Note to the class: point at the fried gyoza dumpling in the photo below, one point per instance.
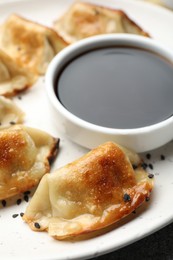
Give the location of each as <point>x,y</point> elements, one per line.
<point>10,113</point>
<point>13,78</point>
<point>30,44</point>
<point>90,193</point>
<point>83,20</point>
<point>25,157</point>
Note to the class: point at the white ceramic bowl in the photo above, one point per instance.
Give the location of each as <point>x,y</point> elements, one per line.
<point>90,135</point>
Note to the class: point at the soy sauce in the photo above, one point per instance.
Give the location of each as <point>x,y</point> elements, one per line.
<point>117,87</point>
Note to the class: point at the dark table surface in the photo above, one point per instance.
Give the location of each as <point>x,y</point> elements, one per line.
<point>156,246</point>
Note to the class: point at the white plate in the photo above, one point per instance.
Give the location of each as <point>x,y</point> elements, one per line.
<point>16,239</point>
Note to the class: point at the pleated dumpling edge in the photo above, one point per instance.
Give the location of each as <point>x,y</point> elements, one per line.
<point>90,193</point>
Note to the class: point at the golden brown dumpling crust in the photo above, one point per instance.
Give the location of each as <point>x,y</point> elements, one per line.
<point>89,194</point>
<point>25,154</point>
<point>30,44</point>
<point>83,20</point>
<point>13,78</point>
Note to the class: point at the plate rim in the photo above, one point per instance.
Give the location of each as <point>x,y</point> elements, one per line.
<point>169,219</point>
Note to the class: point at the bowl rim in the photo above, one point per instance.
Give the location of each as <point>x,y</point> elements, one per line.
<point>51,74</point>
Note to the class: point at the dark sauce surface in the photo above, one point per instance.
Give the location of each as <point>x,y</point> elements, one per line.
<point>117,87</point>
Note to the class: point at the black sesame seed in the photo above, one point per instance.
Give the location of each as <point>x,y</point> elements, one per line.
<point>162,157</point>
<point>37,225</point>
<point>126,197</point>
<point>15,215</point>
<point>150,166</point>
<point>4,203</point>
<point>144,165</point>
<point>26,198</point>
<point>21,214</point>
<point>18,202</point>
<point>147,199</point>
<point>150,175</point>
<point>148,156</point>
<point>27,192</point>
<point>134,166</point>
<point>19,97</point>
<point>12,123</point>
<point>134,212</point>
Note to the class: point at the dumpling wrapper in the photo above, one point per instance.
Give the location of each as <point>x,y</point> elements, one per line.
<point>10,113</point>
<point>30,44</point>
<point>13,78</point>
<point>89,193</point>
<point>82,20</point>
<point>26,154</point>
